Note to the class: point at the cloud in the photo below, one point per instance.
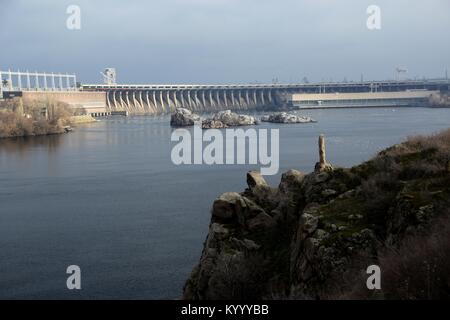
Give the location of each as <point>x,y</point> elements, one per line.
<point>225,41</point>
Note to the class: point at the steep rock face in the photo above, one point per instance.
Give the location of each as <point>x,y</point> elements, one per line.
<point>314,236</point>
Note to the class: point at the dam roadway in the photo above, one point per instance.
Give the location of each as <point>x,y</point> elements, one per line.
<point>153,99</point>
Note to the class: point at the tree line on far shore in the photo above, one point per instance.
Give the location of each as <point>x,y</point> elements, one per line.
<point>20,119</point>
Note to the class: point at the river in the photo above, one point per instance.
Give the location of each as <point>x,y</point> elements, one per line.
<point>107,198</point>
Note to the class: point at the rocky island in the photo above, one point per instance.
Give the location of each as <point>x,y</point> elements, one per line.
<point>223,119</point>
<point>233,119</point>
<point>314,236</point>
<point>284,117</point>
<point>183,117</point>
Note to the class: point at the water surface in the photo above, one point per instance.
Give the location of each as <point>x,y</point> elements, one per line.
<point>107,197</point>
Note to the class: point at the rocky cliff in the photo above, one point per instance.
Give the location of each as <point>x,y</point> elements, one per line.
<point>314,235</point>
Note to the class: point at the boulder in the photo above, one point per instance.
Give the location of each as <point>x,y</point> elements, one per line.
<point>284,117</point>
<point>213,124</point>
<point>291,181</point>
<point>183,118</point>
<point>254,179</point>
<point>224,207</point>
<point>259,191</point>
<point>232,207</point>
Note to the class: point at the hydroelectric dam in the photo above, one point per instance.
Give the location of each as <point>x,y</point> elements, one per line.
<point>105,99</point>
<point>204,98</point>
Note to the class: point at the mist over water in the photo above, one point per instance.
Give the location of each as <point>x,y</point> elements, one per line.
<point>107,197</point>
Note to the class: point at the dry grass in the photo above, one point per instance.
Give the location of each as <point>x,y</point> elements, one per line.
<point>418,269</point>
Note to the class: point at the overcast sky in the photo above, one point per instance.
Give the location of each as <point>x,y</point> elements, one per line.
<point>226,41</point>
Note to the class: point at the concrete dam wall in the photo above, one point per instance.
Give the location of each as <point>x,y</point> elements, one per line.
<point>156,99</point>
<point>150,101</point>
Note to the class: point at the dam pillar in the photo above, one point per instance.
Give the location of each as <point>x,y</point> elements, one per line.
<point>233,102</point>
<point>121,100</point>
<point>225,98</point>
<point>210,99</point>
<point>114,100</point>
<point>155,105</point>
<point>175,93</point>
<point>161,100</point>
<point>182,98</point>
<point>196,100</point>
<point>218,98</point>
<point>108,103</point>
<point>141,101</point>
<point>239,99</point>
<point>203,100</point>
<point>167,96</point>
<point>189,100</point>
<point>135,104</point>
<point>147,102</point>
<point>127,95</point>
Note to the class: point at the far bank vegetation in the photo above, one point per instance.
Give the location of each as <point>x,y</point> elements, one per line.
<point>20,119</point>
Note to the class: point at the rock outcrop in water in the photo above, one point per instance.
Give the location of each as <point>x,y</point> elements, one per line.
<point>284,117</point>
<point>441,99</point>
<point>213,124</point>
<point>314,236</point>
<point>183,118</point>
<point>224,119</point>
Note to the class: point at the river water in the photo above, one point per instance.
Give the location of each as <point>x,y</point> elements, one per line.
<point>107,198</point>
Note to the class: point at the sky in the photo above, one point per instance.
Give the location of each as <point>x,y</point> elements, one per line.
<point>227,41</point>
